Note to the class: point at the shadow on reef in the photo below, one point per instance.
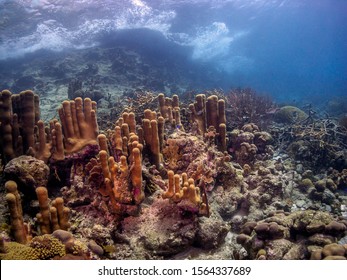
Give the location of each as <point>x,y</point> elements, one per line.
<point>201,176</point>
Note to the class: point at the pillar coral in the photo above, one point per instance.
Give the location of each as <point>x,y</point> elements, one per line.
<point>19,115</point>
<point>131,122</point>
<point>58,152</point>
<point>78,123</point>
<point>209,115</point>
<point>198,113</point>
<point>24,132</point>
<point>212,111</point>
<point>183,191</point>
<point>152,138</point>
<point>16,213</point>
<point>123,183</point>
<point>44,215</point>
<point>6,142</point>
<point>136,177</point>
<point>27,118</point>
<point>161,131</point>
<point>163,106</point>
<point>63,214</point>
<point>169,109</point>
<point>117,141</point>
<point>125,129</point>
<point>102,141</point>
<point>43,146</point>
<point>155,145</point>
<point>54,216</point>
<point>122,172</point>
<point>222,136</point>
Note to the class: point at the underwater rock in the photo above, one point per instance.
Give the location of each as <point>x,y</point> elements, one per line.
<point>28,172</point>
<point>277,249</point>
<point>296,252</point>
<point>162,229</point>
<point>212,232</point>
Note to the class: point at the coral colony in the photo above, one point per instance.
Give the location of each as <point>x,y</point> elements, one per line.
<point>210,176</point>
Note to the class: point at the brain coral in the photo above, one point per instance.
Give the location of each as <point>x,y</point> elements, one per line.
<point>290,114</point>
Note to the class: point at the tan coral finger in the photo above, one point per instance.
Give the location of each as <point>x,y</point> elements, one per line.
<point>68,119</point>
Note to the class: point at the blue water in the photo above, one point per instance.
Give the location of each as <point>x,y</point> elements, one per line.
<point>292,49</point>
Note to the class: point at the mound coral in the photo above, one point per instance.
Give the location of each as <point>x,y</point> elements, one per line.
<point>276,236</point>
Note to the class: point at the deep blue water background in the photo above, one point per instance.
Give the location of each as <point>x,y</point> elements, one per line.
<point>293,50</point>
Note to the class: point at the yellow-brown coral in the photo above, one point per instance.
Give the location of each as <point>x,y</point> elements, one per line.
<point>17,251</point>
<point>47,246</point>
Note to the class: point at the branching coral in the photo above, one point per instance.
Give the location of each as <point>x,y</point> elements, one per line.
<point>246,106</point>
<point>319,143</point>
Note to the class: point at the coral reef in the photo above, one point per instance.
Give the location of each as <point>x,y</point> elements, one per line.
<point>60,245</point>
<point>168,178</point>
